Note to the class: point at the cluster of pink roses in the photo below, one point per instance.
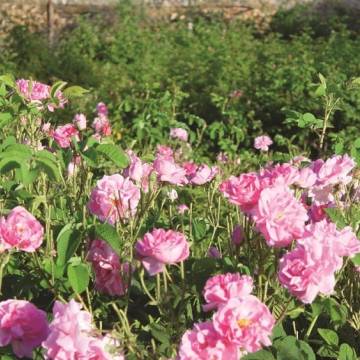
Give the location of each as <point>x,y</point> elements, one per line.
<point>70,335</point>
<point>37,92</point>
<point>63,134</point>
<point>20,230</point>
<point>267,197</point>
<point>241,324</point>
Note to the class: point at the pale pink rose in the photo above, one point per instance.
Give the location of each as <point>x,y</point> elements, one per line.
<point>164,151</point>
<point>285,174</point>
<point>214,253</point>
<point>203,174</point>
<point>243,191</point>
<point>101,125</point>
<point>237,235</point>
<point>37,92</point>
<point>219,289</point>
<point>178,133</point>
<point>71,335</point>
<point>73,166</point>
<point>108,270</point>
<point>102,109</point>
<point>161,247</point>
<point>182,208</point>
<point>168,171</point>
<point>334,170</point>
<point>23,326</point>
<point>310,268</point>
<point>21,230</point>
<point>307,178</point>
<point>114,198</point>
<point>80,121</point>
<point>138,171</point>
<point>322,195</point>
<point>262,143</point>
<point>279,216</point>
<point>172,195</point>
<point>245,322</point>
<point>63,135</point>
<point>204,343</point>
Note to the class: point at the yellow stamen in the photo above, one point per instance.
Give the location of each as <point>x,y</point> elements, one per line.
<point>243,323</point>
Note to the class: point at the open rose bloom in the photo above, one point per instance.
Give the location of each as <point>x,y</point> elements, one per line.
<point>22,325</point>
<point>262,143</point>
<point>114,198</point>
<point>161,247</point>
<point>20,230</point>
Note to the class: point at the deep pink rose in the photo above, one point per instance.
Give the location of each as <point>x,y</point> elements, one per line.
<point>22,325</point>
<point>203,174</point>
<point>161,247</point>
<point>108,270</point>
<point>243,191</point>
<point>102,109</point>
<point>21,230</point>
<point>101,125</point>
<point>114,198</point>
<point>63,134</point>
<point>237,235</point>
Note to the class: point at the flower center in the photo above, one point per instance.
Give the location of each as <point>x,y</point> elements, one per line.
<point>243,323</point>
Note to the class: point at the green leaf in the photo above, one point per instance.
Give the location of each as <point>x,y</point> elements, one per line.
<point>79,277</point>
<point>291,348</point>
<point>330,336</point>
<point>110,235</point>
<point>5,118</point>
<point>259,355</point>
<point>48,166</point>
<point>8,79</point>
<point>115,154</point>
<point>58,86</point>
<point>336,216</point>
<point>67,243</point>
<point>328,351</point>
<point>160,333</point>
<point>74,92</point>
<point>347,353</point>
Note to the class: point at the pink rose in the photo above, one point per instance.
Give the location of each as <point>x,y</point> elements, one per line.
<point>182,209</point>
<point>63,134</point>
<point>285,174</point>
<point>138,171</point>
<point>101,125</point>
<point>245,322</point>
<point>279,216</point>
<point>102,109</point>
<point>80,121</point>
<point>307,178</point>
<point>114,198</point>
<point>262,143</point>
<point>204,343</point>
<point>190,168</point>
<point>219,289</point>
<point>164,152</point>
<point>168,171</point>
<point>22,325</point>
<point>108,270</point>
<point>203,174</point>
<point>21,230</point>
<point>178,133</point>
<point>71,335</point>
<point>161,247</point>
<point>243,191</point>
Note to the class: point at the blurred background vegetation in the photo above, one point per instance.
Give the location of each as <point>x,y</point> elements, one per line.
<point>226,79</point>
